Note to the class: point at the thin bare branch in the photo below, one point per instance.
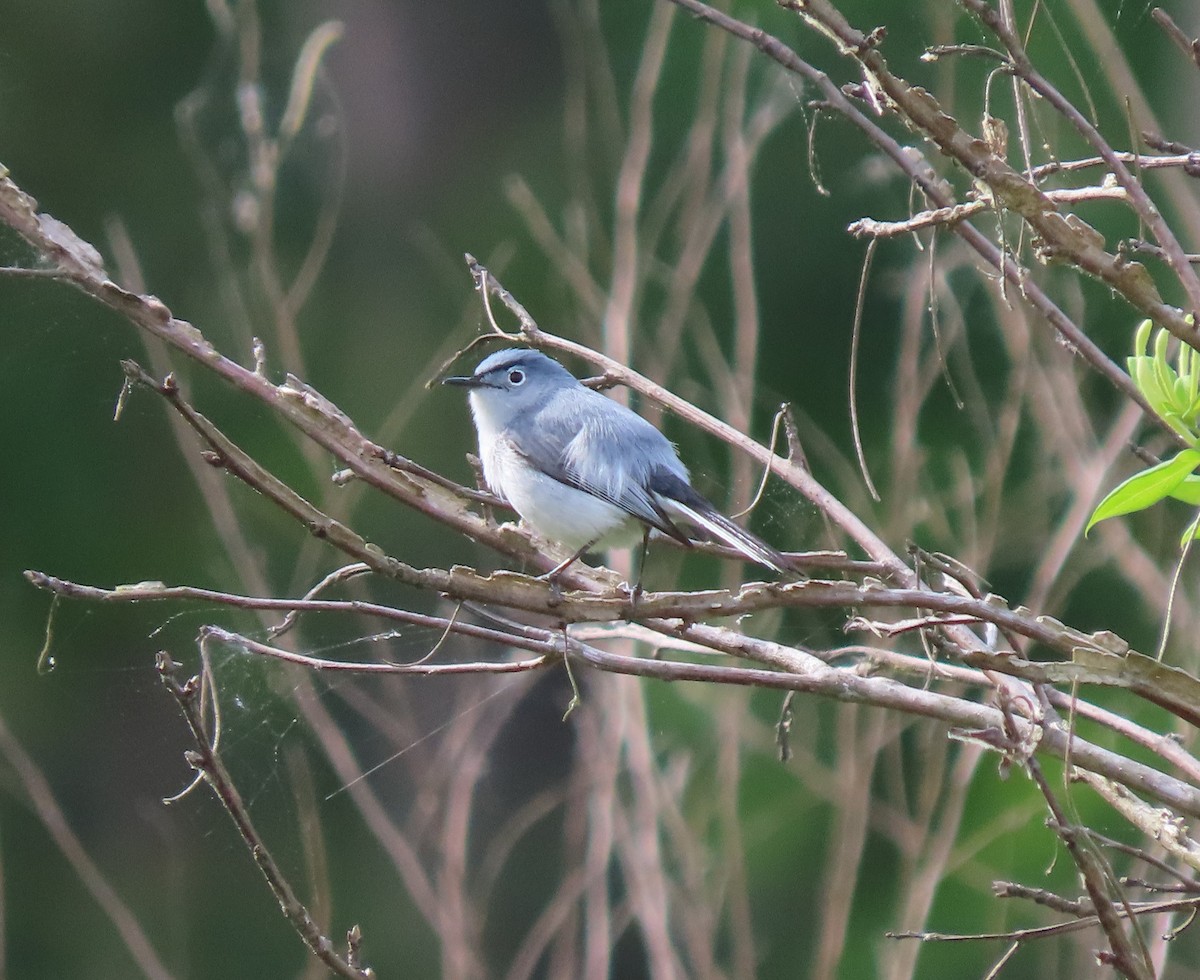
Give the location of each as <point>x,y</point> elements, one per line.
<point>206,761</point>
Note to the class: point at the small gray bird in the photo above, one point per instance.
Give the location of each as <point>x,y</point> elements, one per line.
<point>583,469</point>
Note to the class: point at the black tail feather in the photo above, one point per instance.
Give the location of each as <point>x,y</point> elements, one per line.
<point>678,498</point>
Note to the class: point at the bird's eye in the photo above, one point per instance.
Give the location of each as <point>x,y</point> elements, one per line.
<point>516,376</point>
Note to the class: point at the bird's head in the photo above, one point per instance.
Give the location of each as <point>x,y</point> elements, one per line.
<point>510,382</point>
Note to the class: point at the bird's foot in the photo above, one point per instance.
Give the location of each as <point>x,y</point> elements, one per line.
<point>635,593</point>
<point>551,578</point>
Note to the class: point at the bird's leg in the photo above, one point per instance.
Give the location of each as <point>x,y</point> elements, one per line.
<point>637,587</point>
<point>552,575</point>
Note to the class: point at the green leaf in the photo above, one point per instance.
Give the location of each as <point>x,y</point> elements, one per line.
<point>1187,368</point>
<point>1180,425</point>
<point>1162,341</point>
<point>1141,339</point>
<point>1188,491</point>
<point>1182,395</point>
<point>1147,488</point>
<point>1146,378</point>
<point>1193,531</point>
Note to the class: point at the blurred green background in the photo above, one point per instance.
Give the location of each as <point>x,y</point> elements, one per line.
<point>440,105</point>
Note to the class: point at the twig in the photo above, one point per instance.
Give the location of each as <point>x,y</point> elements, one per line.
<point>1051,900</point>
<point>337,576</point>
<point>1188,45</point>
<point>762,483</point>
<point>1141,247</point>
<point>369,667</point>
<point>1130,956</point>
<point>1187,160</point>
<point>1046,932</point>
<point>1160,826</point>
<point>949,216</point>
<point>205,760</point>
<point>855,340</point>
<point>1178,887</point>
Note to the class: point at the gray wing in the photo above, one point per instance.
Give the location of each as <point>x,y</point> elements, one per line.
<point>596,445</point>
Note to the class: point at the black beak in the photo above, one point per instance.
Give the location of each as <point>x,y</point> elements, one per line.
<point>471,382</point>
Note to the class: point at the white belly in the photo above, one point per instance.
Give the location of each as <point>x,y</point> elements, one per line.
<point>561,513</point>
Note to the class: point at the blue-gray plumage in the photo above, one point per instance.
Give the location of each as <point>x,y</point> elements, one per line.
<point>583,469</point>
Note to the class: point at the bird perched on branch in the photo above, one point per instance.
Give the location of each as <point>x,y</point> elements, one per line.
<point>583,469</point>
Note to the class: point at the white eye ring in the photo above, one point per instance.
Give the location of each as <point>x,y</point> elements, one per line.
<point>516,376</point>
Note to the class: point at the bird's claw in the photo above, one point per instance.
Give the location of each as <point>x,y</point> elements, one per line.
<point>551,578</point>
<point>635,594</point>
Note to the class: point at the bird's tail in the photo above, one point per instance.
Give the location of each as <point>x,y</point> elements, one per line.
<point>682,501</point>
